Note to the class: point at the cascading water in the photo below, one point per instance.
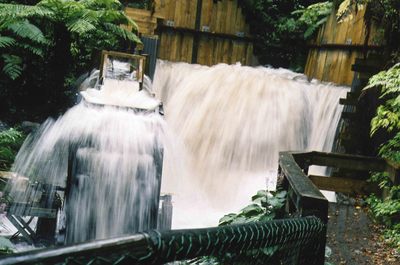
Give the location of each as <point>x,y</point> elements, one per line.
<point>230,123</point>
<point>113,187</point>
<point>233,121</point>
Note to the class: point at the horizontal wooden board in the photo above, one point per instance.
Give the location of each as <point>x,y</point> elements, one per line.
<point>344,185</point>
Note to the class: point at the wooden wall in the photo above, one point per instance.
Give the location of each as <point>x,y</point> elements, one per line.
<point>220,35</point>
<point>145,20</point>
<point>337,45</point>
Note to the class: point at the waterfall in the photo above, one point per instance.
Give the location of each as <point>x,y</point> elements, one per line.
<point>233,120</point>
<point>113,153</point>
<point>226,126</point>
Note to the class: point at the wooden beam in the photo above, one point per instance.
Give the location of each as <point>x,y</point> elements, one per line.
<point>305,196</point>
<point>355,162</point>
<point>339,46</point>
<point>348,101</point>
<point>205,33</point>
<point>345,185</point>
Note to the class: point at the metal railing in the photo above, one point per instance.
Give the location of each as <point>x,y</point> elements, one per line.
<point>299,239</point>
<point>253,243</point>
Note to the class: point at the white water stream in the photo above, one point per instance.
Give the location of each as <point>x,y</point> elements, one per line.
<point>228,124</point>
<point>113,185</point>
<point>233,121</point>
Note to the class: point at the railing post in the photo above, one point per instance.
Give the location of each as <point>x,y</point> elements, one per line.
<point>304,199</point>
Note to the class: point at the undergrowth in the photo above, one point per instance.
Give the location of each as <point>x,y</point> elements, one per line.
<point>387,210</point>
<point>10,142</point>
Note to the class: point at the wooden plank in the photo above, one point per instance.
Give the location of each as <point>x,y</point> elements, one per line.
<point>327,66</point>
<point>192,13</point>
<point>344,185</point>
<point>321,64</point>
<point>205,13</point>
<point>171,7</point>
<point>224,17</point>
<point>306,196</point>
<point>345,161</point>
<point>249,55</point>
<point>213,24</point>
<point>348,101</point>
<point>229,17</point>
<point>178,14</point>
<point>160,8</point>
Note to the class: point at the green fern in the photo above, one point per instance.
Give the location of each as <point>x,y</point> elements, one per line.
<point>124,33</point>
<point>6,41</point>
<point>12,11</point>
<point>313,16</point>
<point>10,141</point>
<point>12,66</point>
<point>79,19</point>
<point>25,29</point>
<point>80,26</point>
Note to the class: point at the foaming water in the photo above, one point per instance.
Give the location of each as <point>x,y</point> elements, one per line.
<point>228,122</point>
<point>115,155</point>
<point>233,121</point>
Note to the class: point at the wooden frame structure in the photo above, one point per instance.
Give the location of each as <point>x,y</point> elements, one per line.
<point>304,196</point>
<point>139,59</point>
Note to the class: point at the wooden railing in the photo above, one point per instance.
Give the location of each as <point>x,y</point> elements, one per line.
<point>304,196</point>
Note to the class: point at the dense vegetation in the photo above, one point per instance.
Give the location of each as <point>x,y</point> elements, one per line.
<point>281,29</point>
<point>46,45</point>
<point>10,142</point>
<point>387,210</point>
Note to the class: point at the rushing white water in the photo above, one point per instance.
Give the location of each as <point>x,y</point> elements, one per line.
<point>233,121</point>
<point>114,186</point>
<point>229,122</point>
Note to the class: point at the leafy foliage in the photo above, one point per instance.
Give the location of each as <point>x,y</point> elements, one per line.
<point>266,205</point>
<point>387,210</point>
<point>313,17</point>
<point>278,28</point>
<point>45,45</point>
<point>10,142</point>
<point>388,114</point>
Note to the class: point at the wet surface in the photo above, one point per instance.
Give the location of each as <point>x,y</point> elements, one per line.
<point>354,239</point>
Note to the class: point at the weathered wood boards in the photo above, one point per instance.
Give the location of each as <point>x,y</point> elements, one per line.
<point>146,21</point>
<point>337,45</point>
<point>198,31</point>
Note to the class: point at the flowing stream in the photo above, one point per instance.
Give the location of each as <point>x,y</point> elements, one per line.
<point>233,121</point>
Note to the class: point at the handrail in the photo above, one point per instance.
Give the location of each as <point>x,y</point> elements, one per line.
<point>229,243</point>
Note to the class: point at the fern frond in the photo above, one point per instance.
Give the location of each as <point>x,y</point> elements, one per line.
<point>12,66</point>
<point>6,41</point>
<point>11,11</point>
<point>132,23</point>
<point>39,51</point>
<point>25,29</point>
<point>124,33</point>
<point>80,26</point>
<point>97,4</point>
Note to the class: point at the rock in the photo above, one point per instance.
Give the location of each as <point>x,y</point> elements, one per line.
<point>28,126</point>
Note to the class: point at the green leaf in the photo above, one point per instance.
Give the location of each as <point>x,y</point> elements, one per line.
<point>260,194</point>
<point>80,26</point>
<point>127,35</point>
<point>227,219</point>
<point>25,29</point>
<point>6,41</point>
<point>12,66</point>
<point>251,210</point>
